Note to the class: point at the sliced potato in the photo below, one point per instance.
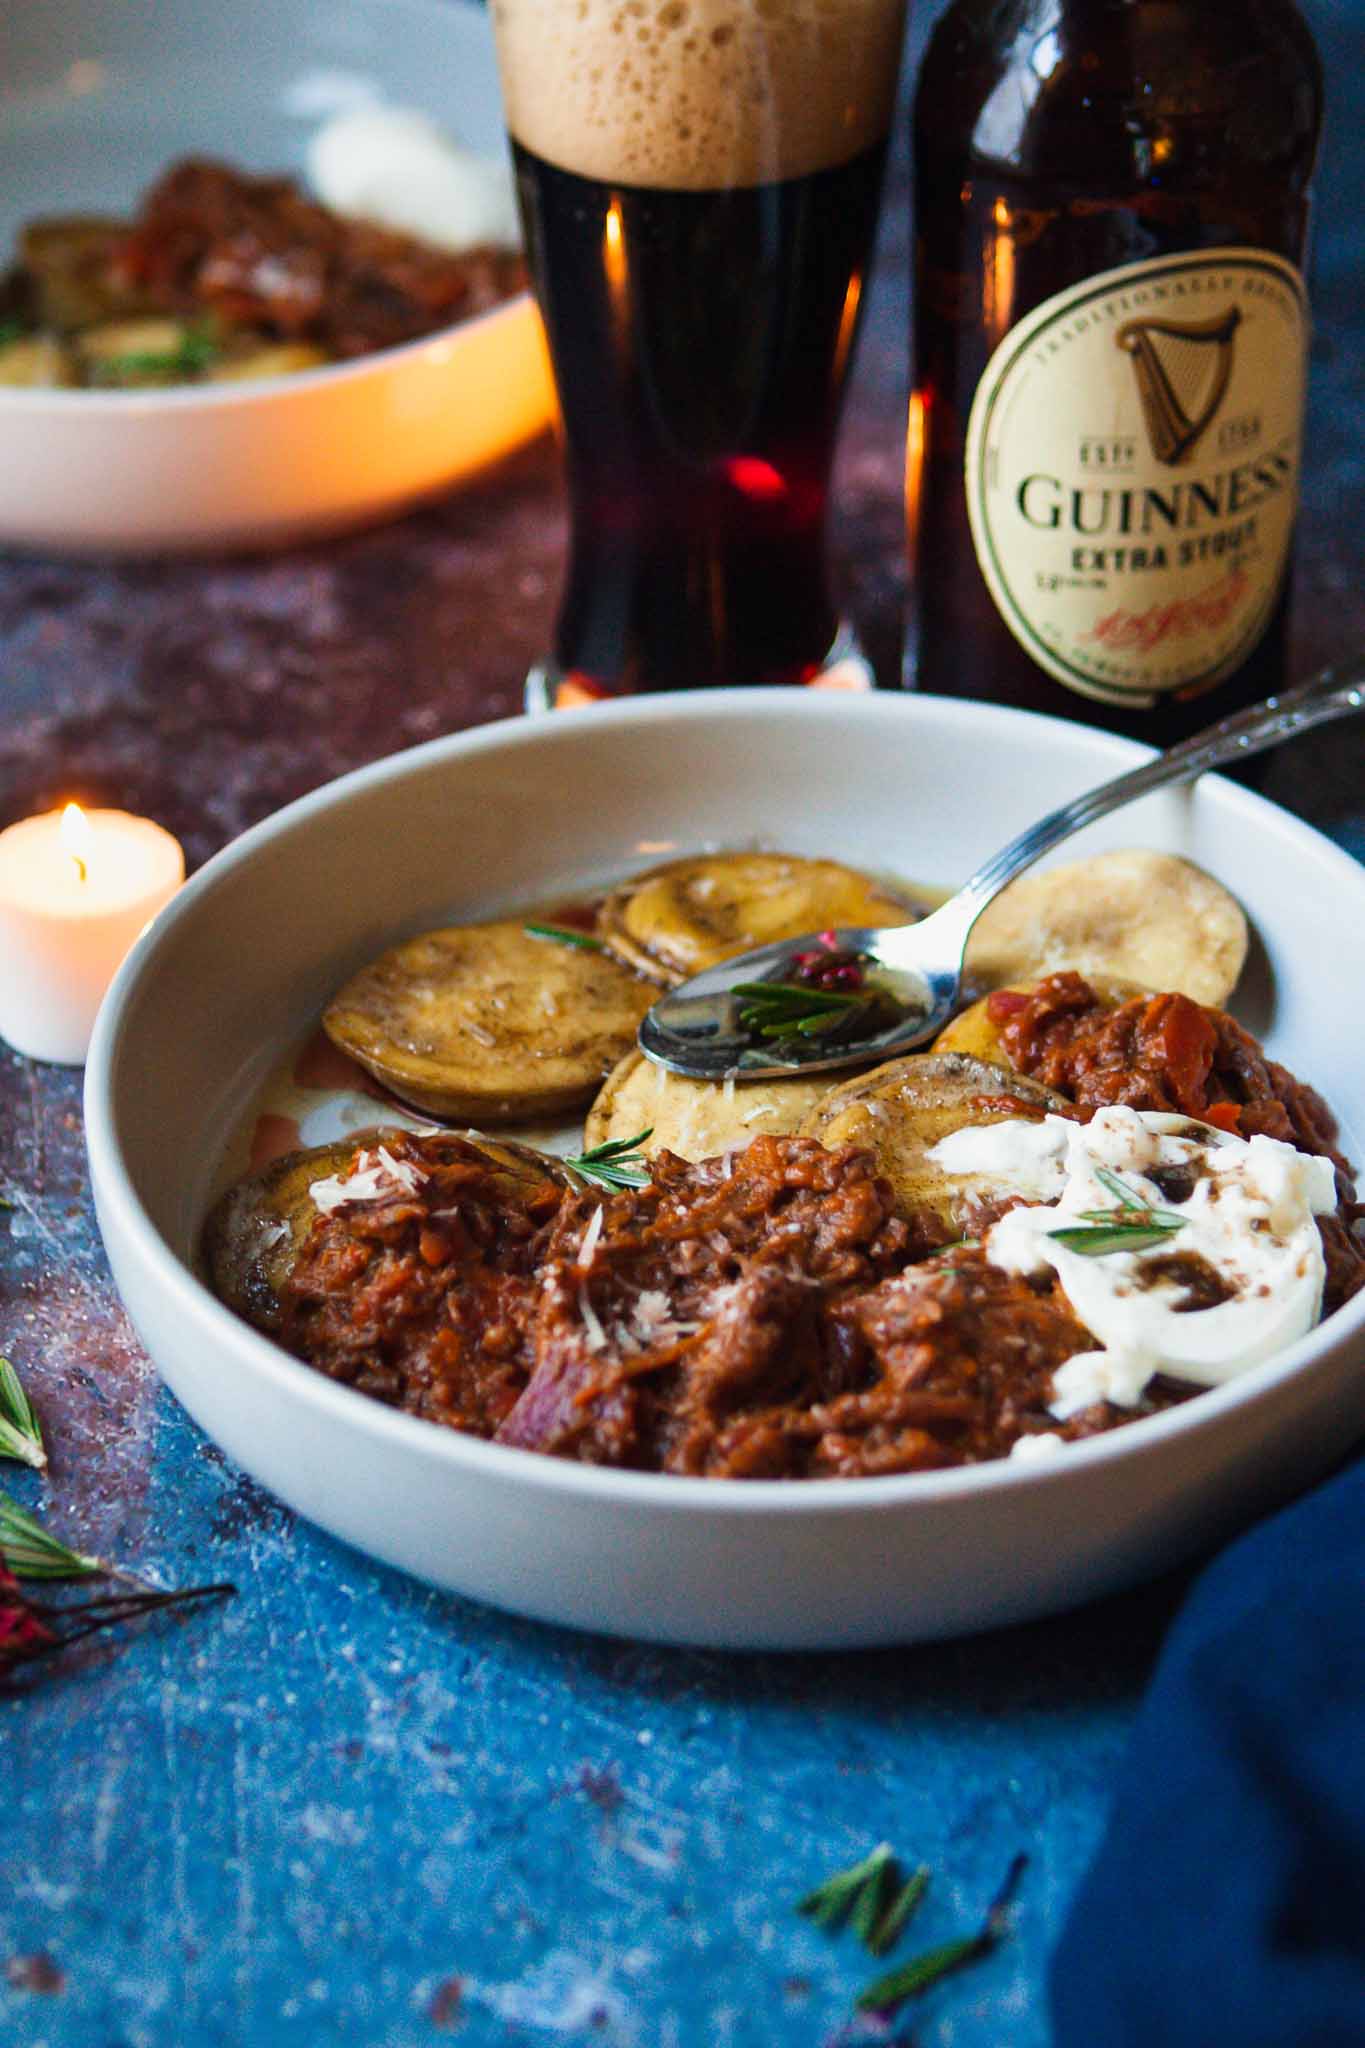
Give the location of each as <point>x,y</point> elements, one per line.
<point>675,920</point>
<point>277,359</point>
<point>899,1112</point>
<point>254,1233</point>
<point>36,362</point>
<point>973,1031</point>
<point>1143,917</point>
<point>484,1022</point>
<point>695,1119</point>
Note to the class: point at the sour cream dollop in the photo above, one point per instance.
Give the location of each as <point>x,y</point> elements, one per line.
<point>394,166</point>
<point>1248,1216</point>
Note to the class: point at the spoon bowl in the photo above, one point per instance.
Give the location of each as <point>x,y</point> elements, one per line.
<point>717,1025</point>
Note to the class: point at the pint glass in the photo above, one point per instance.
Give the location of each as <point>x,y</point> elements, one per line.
<point>699,182</point>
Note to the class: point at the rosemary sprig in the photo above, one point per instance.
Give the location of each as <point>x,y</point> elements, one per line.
<point>10,330</point>
<point>31,1551</point>
<point>1134,1226</point>
<point>616,1164</point>
<point>934,1964</point>
<point>777,1009</point>
<point>564,935</point>
<point>21,1436</point>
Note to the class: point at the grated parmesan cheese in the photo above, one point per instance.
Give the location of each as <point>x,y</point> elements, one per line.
<point>377,1176</point>
<point>588,1244</point>
<point>596,1339</point>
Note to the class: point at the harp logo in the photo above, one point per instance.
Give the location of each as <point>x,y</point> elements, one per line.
<point>1183,369</point>
<point>1132,471</point>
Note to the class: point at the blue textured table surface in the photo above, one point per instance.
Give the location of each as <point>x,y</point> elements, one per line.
<point>344,1808</point>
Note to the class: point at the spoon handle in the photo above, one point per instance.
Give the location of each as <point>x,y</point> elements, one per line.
<point>1334,692</point>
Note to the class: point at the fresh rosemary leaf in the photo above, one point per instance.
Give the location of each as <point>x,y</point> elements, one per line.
<point>31,1552</point>
<point>616,1164</point>
<point>918,1974</point>
<point>831,1903</point>
<point>898,1914</point>
<point>925,1970</point>
<point>10,330</point>
<point>872,1902</point>
<point>1095,1240</point>
<point>20,1434</point>
<point>564,935</point>
<point>1125,1196</point>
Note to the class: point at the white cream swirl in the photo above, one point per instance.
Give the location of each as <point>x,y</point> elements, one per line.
<point>1246,1215</point>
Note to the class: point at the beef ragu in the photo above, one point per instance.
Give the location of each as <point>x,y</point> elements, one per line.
<point>223,275</point>
<point>751,1317</point>
<point>764,1314</point>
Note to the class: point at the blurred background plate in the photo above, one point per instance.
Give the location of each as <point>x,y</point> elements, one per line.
<point>96,98</point>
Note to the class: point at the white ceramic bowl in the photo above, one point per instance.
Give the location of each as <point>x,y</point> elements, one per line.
<point>249,951</point>
<point>96,98</point>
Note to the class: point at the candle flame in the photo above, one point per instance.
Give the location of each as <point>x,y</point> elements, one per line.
<point>77,838</point>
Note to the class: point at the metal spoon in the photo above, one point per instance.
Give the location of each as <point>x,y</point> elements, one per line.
<point>696,1029</point>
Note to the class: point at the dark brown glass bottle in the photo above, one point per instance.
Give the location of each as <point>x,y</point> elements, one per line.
<point>1112,202</point>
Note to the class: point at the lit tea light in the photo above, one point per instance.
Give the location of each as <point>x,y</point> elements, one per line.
<point>76,889</point>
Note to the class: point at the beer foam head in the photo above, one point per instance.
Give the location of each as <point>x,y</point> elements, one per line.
<point>698,95</point>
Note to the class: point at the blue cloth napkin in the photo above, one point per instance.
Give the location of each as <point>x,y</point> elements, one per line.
<point>1226,1907</point>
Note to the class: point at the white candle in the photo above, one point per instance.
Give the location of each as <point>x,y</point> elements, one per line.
<point>76,888</point>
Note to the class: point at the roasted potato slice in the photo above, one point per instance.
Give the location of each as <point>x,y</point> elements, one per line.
<point>675,920</point>
<point>36,362</point>
<point>1134,915</point>
<point>255,1230</point>
<point>695,1119</point>
<point>900,1111</point>
<point>484,1022</point>
<point>973,1032</point>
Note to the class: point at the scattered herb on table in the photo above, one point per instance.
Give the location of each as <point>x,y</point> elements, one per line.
<point>32,1628</point>
<point>21,1435</point>
<point>871,1897</point>
<point>565,935</point>
<point>877,1904</point>
<point>1134,1226</point>
<point>33,1552</point>
<point>618,1163</point>
<point>910,1979</point>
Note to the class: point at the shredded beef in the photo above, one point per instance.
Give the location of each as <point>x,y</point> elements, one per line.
<point>764,1315</point>
<point>261,254</point>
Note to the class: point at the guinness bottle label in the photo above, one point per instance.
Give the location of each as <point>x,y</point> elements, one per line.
<point>1133,470</point>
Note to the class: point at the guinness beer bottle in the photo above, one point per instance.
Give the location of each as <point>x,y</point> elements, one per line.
<point>1110,353</point>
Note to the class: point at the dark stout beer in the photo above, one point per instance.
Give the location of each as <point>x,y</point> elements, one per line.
<point>1112,204</point>
<point>700,343</point>
<point>698,181</point>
